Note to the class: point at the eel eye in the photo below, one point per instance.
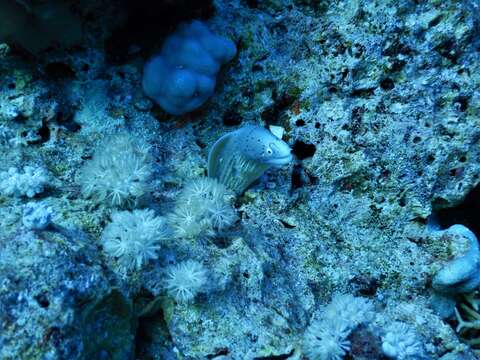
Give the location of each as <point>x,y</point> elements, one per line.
<point>269,151</point>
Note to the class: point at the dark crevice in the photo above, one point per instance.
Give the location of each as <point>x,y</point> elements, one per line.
<point>448,49</point>
<point>42,300</point>
<point>466,213</point>
<point>220,352</point>
<point>462,103</point>
<point>303,150</point>
<point>298,177</point>
<point>286,224</point>
<point>276,357</point>
<point>435,21</point>
<point>363,92</point>
<point>387,84</point>
<point>301,178</point>
<point>282,102</point>
<point>149,22</point>
<point>59,71</point>
<point>365,285</point>
<point>44,133</point>
<point>200,144</point>
<point>231,118</point>
<point>151,327</point>
<point>364,345</point>
<point>222,242</point>
<point>68,122</point>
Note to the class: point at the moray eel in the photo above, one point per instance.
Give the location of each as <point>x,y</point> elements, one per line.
<point>240,157</point>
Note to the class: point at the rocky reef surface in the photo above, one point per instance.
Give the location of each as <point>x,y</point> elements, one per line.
<point>379,101</point>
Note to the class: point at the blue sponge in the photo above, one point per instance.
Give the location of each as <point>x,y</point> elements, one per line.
<point>182,76</point>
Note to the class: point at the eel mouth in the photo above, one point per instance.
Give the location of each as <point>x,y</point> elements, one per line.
<point>279,161</point>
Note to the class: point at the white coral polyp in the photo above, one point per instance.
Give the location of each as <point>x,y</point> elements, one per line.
<point>134,237</point>
<point>203,189</point>
<point>401,342</point>
<point>221,216</point>
<point>119,173</point>
<point>326,340</point>
<point>353,310</point>
<point>326,337</point>
<point>185,280</point>
<point>186,222</point>
<point>203,207</point>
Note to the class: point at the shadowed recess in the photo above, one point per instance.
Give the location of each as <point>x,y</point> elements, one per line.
<point>467,213</point>
<point>148,22</point>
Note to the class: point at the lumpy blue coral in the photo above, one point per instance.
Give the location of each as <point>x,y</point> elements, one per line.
<point>183,75</point>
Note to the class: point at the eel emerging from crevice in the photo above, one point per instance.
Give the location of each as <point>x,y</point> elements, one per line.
<point>240,157</point>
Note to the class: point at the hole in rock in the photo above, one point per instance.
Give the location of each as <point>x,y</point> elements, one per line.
<point>461,103</point>
<point>222,242</point>
<point>44,133</point>
<point>42,300</point>
<point>303,150</point>
<point>151,327</point>
<point>387,84</point>
<point>466,213</point>
<point>231,118</point>
<point>282,102</point>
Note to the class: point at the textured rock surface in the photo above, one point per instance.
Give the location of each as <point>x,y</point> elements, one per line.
<point>380,103</point>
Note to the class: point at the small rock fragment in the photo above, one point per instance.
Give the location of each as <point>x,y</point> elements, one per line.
<point>37,216</point>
